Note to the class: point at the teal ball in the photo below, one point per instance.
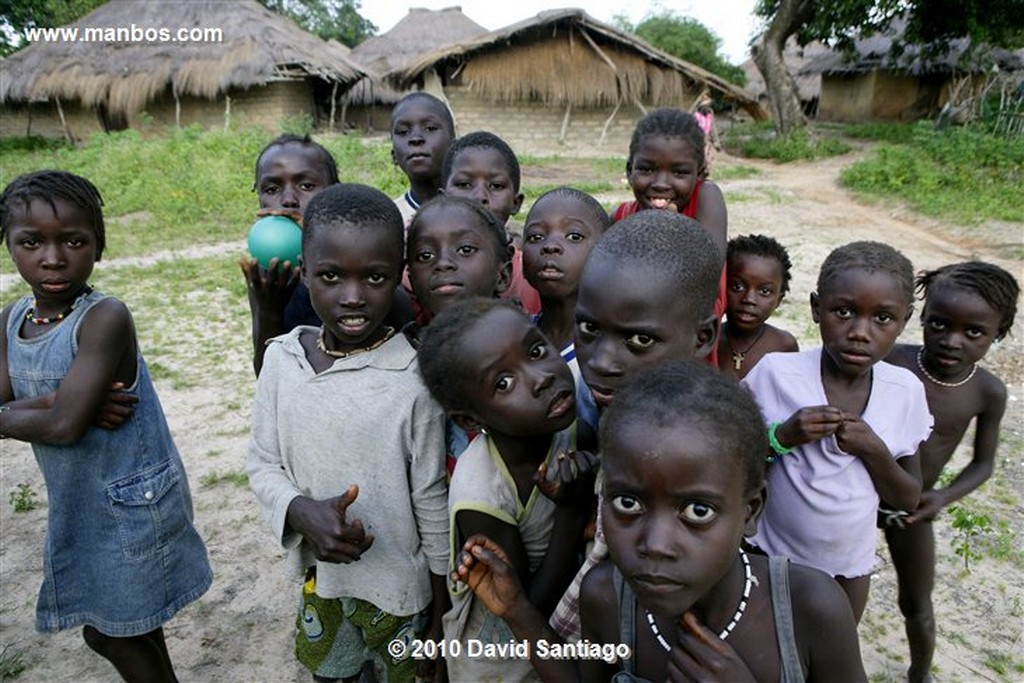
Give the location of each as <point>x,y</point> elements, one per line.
<point>275,237</point>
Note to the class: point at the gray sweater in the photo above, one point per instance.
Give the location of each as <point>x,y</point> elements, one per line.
<point>366,420</point>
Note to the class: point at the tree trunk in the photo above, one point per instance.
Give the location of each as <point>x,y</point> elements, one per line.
<point>783,97</point>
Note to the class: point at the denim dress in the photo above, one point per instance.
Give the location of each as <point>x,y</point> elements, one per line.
<point>121,552</point>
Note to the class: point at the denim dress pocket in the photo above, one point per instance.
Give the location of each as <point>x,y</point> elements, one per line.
<point>150,510</point>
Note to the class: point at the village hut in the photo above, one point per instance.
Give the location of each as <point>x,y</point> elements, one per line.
<point>874,82</point>
<point>795,57</point>
<point>242,64</point>
<point>419,32</point>
<point>561,81</point>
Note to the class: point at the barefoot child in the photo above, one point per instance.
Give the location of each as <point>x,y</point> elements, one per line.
<point>639,303</point>
<point>757,278</point>
<point>422,129</point>
<point>845,425</point>
<point>121,555</point>
<point>967,306</point>
<point>347,451</point>
<point>561,228</point>
<point>683,483</point>
<point>482,167</point>
<point>665,168</point>
<point>494,372</point>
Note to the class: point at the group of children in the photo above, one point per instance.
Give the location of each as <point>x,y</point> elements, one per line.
<point>458,438</point>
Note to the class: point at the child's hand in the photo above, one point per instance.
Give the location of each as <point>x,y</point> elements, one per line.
<point>856,437</point>
<point>269,288</point>
<point>928,508</point>
<point>809,424</point>
<point>573,482</point>
<point>323,524</point>
<point>700,655</point>
<point>485,568</point>
<point>118,407</point>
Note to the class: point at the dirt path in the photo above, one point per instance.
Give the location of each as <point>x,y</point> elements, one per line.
<point>239,630</point>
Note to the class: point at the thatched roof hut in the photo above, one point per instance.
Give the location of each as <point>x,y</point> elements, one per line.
<point>420,31</point>
<point>121,76</point>
<point>874,81</point>
<point>561,80</point>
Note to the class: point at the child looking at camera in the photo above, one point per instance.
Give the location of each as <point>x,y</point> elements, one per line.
<point>347,451</point>
<point>757,277</point>
<point>422,129</point>
<point>561,228</point>
<point>967,307</point>
<point>121,555</point>
<point>845,426</point>
<point>482,167</point>
<point>494,372</point>
<point>682,458</point>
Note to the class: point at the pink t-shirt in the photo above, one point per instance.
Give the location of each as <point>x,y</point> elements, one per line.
<point>822,503</point>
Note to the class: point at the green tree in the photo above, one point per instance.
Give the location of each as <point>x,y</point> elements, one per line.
<point>687,39</point>
<point>838,22</point>
<point>330,19</point>
<point>18,15</point>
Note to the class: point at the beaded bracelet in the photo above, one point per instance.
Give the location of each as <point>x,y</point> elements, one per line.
<point>773,440</point>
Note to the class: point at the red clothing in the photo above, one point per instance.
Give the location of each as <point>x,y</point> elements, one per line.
<point>689,210</point>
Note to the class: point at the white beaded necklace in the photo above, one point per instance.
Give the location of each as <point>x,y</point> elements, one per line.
<point>748,583</point>
<point>952,385</point>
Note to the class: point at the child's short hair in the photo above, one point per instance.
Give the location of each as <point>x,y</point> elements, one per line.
<point>603,220</point>
<point>440,355</point>
<point>767,247</point>
<point>996,286</point>
<point>488,221</point>
<point>695,394</point>
<point>669,122</point>
<point>488,141</point>
<point>49,186</point>
<point>870,256</point>
<point>353,204</point>
<point>330,165</point>
<point>675,249</point>
<point>435,103</point>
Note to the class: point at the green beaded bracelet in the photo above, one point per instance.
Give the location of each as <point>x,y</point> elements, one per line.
<point>773,440</point>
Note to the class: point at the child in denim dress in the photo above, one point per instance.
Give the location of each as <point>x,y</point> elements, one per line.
<point>121,555</point>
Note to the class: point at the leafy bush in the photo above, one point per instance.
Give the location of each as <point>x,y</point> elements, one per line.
<point>961,173</point>
<point>797,145</point>
<point>885,131</point>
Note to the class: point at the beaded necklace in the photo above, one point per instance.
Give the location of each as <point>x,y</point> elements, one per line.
<point>40,320</point>
<point>936,380</point>
<point>388,333</point>
<point>748,583</point>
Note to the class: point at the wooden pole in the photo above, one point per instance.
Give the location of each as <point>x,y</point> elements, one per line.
<point>177,111</point>
<point>565,123</point>
<point>334,103</point>
<point>227,112</point>
<point>63,121</point>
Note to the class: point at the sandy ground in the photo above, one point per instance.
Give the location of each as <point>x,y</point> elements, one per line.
<point>240,631</point>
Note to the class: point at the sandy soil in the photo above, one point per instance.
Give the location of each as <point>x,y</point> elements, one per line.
<point>240,630</point>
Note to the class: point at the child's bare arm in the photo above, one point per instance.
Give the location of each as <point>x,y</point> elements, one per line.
<point>986,442</point>
<point>269,292</point>
<point>483,565</point>
<point>106,354</point>
<point>898,482</point>
<point>324,525</point>
<point>712,214</point>
<point>826,633</point>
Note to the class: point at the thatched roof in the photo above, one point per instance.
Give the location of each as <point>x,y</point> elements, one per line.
<point>795,57</point>
<point>589,63</point>
<point>258,46</point>
<point>419,32</point>
<point>874,52</point>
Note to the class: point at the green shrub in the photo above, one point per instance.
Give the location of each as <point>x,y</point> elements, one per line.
<point>785,148</point>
